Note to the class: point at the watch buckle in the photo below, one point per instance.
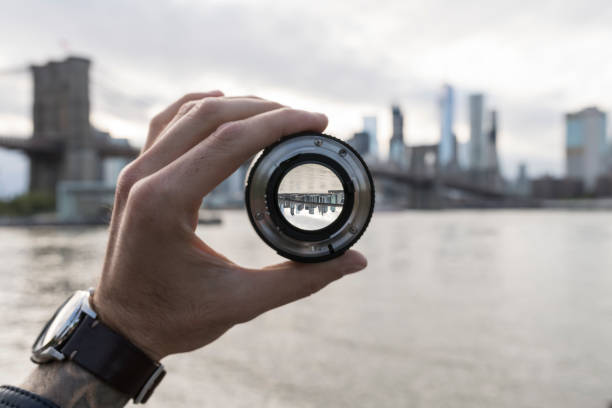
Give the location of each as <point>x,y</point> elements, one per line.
<point>148,388</point>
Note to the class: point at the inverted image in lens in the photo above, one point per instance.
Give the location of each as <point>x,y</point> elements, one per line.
<point>310,197</point>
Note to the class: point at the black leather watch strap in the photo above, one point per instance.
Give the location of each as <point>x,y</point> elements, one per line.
<point>113,359</point>
<point>13,397</point>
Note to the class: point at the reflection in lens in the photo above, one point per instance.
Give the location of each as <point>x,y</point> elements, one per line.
<point>310,197</point>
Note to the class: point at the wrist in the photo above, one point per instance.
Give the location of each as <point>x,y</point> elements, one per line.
<point>69,385</point>
<point>127,323</point>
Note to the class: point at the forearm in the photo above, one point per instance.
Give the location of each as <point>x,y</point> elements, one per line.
<point>68,385</point>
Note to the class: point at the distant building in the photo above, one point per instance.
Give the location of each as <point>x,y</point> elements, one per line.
<point>370,127</point>
<point>555,188</point>
<point>604,186</point>
<point>463,154</point>
<point>397,147</point>
<point>447,147</point>
<point>423,161</point>
<point>478,146</point>
<point>585,146</point>
<point>361,142</point>
<point>491,143</point>
<point>398,123</point>
<point>365,141</point>
<point>522,185</point>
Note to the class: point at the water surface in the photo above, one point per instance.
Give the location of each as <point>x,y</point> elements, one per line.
<point>457,309</point>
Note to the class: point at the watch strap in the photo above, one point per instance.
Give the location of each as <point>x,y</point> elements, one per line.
<point>13,397</point>
<point>113,359</point>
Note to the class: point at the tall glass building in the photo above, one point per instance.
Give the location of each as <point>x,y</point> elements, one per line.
<point>397,151</point>
<point>446,147</point>
<point>585,145</point>
<point>369,126</point>
<point>478,145</point>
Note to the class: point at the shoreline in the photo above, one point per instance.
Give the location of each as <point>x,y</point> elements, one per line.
<point>595,205</point>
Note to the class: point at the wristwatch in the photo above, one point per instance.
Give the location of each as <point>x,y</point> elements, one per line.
<point>76,333</point>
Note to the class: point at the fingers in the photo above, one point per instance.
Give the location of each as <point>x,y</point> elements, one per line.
<point>198,119</point>
<point>217,157</point>
<point>278,285</point>
<point>162,119</point>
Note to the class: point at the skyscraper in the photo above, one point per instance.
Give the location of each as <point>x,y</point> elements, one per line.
<point>361,141</point>
<point>522,180</point>
<point>585,145</point>
<point>491,142</point>
<point>398,123</point>
<point>396,144</point>
<point>446,147</point>
<point>478,150</point>
<point>369,126</point>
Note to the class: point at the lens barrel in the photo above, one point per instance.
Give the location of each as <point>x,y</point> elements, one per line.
<point>309,196</point>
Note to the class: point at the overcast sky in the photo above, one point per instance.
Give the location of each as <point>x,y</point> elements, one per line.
<point>534,62</point>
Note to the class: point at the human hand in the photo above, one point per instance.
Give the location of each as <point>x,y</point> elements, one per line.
<point>162,287</point>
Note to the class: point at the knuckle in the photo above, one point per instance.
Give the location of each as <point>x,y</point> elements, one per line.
<point>209,106</point>
<point>141,193</point>
<point>156,123</point>
<point>146,194</point>
<point>127,178</point>
<point>296,114</point>
<point>291,111</point>
<point>186,107</point>
<point>188,97</point>
<point>229,130</point>
<point>227,133</point>
<point>287,115</point>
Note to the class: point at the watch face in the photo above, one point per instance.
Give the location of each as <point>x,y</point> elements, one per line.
<point>61,325</point>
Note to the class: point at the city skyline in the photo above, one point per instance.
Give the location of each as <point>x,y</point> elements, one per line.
<point>537,64</point>
<point>68,155</point>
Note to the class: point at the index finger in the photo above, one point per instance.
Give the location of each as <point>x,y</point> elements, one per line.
<point>217,157</point>
<point>164,117</point>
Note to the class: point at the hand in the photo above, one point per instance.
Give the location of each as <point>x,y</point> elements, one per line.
<point>162,287</point>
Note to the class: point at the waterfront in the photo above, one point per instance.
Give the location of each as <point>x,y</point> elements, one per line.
<point>456,309</point>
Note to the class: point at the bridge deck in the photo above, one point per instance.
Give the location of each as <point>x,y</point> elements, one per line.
<point>430,181</point>
<point>55,147</point>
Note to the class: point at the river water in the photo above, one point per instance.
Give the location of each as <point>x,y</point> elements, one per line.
<point>456,309</point>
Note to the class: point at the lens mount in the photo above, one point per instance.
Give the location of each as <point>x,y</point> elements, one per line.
<point>355,200</point>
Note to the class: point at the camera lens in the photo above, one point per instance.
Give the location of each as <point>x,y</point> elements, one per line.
<point>309,196</point>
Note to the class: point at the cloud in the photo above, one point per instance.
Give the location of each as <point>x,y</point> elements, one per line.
<point>535,60</point>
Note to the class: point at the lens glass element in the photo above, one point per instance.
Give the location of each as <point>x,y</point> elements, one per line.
<point>310,196</point>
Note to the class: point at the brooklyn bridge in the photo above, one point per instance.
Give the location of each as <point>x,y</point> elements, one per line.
<point>436,189</point>
<point>65,147</point>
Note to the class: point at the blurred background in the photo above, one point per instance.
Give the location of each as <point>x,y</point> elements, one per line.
<point>484,124</point>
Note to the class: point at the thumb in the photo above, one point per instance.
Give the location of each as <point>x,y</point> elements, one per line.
<point>284,283</point>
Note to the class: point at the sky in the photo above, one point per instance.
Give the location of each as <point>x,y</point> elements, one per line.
<point>534,61</point>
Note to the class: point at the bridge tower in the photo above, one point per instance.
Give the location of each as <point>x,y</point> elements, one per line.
<point>61,117</point>
<point>64,145</point>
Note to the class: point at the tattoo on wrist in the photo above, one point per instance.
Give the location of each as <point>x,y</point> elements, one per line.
<point>70,386</point>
